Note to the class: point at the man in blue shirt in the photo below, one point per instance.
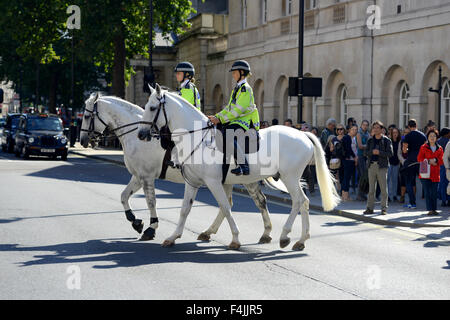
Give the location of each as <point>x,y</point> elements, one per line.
<point>414,140</point>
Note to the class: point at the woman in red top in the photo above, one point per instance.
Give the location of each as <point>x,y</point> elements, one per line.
<point>434,154</point>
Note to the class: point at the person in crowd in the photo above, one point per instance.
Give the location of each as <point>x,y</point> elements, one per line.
<point>447,165</point>
<point>431,125</point>
<point>442,190</point>
<point>378,151</point>
<point>275,122</point>
<point>394,164</point>
<point>315,131</point>
<point>350,160</point>
<point>264,124</point>
<point>405,131</point>
<point>288,122</point>
<point>350,123</point>
<point>362,137</point>
<point>329,130</point>
<point>305,127</point>
<point>413,140</point>
<point>402,154</point>
<point>434,155</point>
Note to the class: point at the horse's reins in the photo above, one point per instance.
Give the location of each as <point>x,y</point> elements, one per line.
<point>98,135</point>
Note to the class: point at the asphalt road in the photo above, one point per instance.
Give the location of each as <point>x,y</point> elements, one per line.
<point>64,235</point>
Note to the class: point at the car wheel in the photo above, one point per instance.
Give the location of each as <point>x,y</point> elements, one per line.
<point>3,148</point>
<point>16,152</point>
<point>64,156</point>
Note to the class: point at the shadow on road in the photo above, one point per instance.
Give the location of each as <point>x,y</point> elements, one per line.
<point>124,253</point>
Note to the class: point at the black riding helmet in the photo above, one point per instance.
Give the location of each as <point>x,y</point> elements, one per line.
<point>241,65</point>
<point>187,68</point>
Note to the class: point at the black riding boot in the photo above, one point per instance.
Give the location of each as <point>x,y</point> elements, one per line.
<point>242,168</point>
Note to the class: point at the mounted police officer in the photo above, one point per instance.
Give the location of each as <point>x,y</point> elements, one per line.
<point>185,73</point>
<point>240,114</point>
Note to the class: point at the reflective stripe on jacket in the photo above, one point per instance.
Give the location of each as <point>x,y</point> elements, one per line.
<point>241,109</point>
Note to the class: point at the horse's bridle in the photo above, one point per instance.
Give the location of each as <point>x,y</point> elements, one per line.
<point>91,129</point>
<point>158,134</point>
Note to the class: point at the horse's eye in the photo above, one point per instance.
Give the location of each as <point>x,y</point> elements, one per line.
<point>87,116</point>
<point>153,108</point>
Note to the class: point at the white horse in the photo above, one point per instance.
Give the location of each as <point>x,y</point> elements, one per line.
<point>144,162</point>
<point>286,150</point>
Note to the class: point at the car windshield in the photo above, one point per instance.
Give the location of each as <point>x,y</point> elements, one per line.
<point>50,124</point>
<point>14,122</point>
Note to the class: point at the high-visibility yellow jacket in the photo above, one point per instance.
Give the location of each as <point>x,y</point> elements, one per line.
<point>241,108</point>
<point>190,92</point>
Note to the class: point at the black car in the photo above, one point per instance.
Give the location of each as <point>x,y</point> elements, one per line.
<point>41,135</point>
<point>9,132</point>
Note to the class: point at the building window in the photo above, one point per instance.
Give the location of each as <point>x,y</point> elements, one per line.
<point>286,7</point>
<point>310,4</point>
<point>264,11</point>
<point>344,105</point>
<point>404,113</point>
<point>339,14</point>
<point>445,104</point>
<point>244,14</point>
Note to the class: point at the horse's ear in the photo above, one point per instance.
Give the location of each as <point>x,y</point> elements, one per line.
<point>158,90</point>
<point>96,96</point>
<point>151,89</point>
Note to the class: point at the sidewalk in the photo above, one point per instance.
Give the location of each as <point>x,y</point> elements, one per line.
<point>397,215</point>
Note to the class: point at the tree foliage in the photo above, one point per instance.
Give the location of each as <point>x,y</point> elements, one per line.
<point>36,49</point>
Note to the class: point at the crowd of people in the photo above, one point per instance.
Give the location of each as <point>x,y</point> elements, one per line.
<point>375,160</point>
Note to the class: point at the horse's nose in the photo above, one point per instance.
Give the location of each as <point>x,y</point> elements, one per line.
<point>143,134</point>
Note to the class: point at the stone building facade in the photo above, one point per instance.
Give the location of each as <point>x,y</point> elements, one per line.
<point>374,74</point>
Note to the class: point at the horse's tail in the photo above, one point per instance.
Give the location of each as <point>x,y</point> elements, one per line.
<point>330,197</point>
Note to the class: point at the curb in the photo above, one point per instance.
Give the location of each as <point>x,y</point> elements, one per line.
<point>287,200</point>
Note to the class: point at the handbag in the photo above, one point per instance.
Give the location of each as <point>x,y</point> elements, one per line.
<point>425,170</point>
<point>335,163</point>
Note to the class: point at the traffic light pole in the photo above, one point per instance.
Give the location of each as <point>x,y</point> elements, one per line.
<point>439,93</point>
<point>301,22</point>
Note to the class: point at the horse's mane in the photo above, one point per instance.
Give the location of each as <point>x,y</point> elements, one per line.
<point>124,103</point>
<point>130,107</point>
<point>184,103</point>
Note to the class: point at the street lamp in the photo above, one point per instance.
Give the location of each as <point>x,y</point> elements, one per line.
<point>149,76</point>
<point>439,92</point>
<point>301,23</point>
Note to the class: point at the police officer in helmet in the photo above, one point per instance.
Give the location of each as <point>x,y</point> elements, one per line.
<point>240,113</point>
<point>185,72</point>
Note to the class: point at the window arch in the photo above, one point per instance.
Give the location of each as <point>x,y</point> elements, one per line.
<point>404,113</point>
<point>343,103</point>
<point>445,104</point>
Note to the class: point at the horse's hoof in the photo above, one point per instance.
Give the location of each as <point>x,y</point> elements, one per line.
<point>149,234</point>
<point>234,246</point>
<point>138,225</point>
<point>298,246</point>
<point>204,236</point>
<point>284,242</point>
<point>265,239</point>
<point>168,243</point>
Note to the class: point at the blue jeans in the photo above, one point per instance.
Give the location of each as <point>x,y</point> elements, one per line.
<point>443,186</point>
<point>349,169</point>
<point>430,189</point>
<point>411,174</point>
<point>393,180</point>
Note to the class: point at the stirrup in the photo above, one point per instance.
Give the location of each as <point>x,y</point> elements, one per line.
<point>171,164</point>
